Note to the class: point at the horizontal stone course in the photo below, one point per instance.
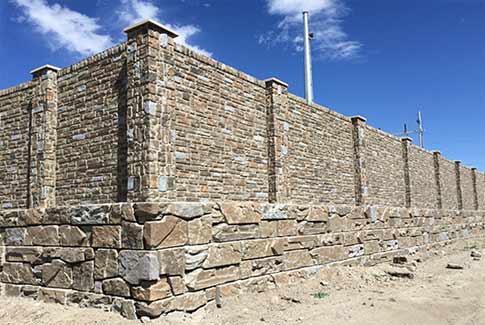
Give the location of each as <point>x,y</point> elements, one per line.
<point>128,265</point>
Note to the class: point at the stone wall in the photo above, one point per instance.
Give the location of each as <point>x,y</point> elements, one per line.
<point>147,259</point>
<point>150,120</point>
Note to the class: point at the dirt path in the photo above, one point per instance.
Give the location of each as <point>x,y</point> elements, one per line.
<point>344,295</point>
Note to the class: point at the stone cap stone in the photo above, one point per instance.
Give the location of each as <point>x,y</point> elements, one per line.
<point>40,71</point>
<point>407,139</point>
<point>457,161</point>
<point>358,118</point>
<point>436,152</point>
<point>151,24</point>
<point>276,80</point>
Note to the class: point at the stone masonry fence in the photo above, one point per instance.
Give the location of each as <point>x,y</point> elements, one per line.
<point>149,178</point>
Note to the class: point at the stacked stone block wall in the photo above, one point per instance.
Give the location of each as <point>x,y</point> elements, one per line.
<point>448,184</point>
<point>148,259</point>
<point>424,192</point>
<point>480,190</point>
<point>467,188</point>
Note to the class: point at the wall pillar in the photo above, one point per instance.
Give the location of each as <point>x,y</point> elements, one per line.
<point>459,193</point>
<point>277,126</point>
<point>43,138</point>
<point>437,176</point>
<point>147,180</point>
<point>475,189</point>
<point>406,142</point>
<point>360,173</point>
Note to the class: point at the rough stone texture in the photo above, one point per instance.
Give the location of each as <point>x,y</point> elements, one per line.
<point>116,287</point>
<point>152,291</point>
<point>106,264</point>
<point>423,185</point>
<point>107,236</point>
<point>170,231</point>
<point>136,266</point>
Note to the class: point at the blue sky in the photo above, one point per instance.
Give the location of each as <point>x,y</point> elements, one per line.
<point>378,58</point>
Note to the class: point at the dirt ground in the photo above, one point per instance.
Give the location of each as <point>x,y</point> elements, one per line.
<point>343,295</point>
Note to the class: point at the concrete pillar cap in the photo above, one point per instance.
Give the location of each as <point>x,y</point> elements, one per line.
<point>404,139</point>
<point>276,80</point>
<point>358,118</point>
<point>151,24</point>
<point>436,152</point>
<point>43,69</point>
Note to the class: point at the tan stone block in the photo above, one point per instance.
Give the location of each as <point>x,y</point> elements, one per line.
<point>172,261</point>
<point>43,235</point>
<point>200,231</point>
<point>201,279</point>
<point>191,301</point>
<point>152,291</point>
<point>170,231</point>
<point>337,223</point>
<point>263,248</point>
<point>237,213</point>
<point>82,275</point>
<point>22,254</point>
<point>116,287</point>
<point>287,228</point>
<point>317,214</point>
<point>106,236</point>
<point>297,259</point>
<point>301,242</point>
<point>18,273</point>
<point>131,235</point>
<point>224,232</point>
<point>177,284</point>
<point>105,264</point>
<point>57,275</point>
<point>72,236</point>
<point>223,254</point>
<point>268,229</point>
<point>329,254</point>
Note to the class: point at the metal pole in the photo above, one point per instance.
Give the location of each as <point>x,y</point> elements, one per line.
<point>308,61</point>
<point>420,130</point>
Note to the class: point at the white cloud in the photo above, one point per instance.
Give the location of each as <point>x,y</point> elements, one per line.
<point>64,27</point>
<point>330,41</point>
<point>133,11</point>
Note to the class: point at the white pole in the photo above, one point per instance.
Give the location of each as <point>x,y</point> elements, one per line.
<point>308,61</point>
<point>420,130</point>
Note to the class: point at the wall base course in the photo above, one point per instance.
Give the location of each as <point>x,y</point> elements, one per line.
<point>277,244</point>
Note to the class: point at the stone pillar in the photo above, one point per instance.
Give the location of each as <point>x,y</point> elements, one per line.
<point>459,193</point>
<point>43,138</point>
<point>475,189</point>
<point>360,174</point>
<point>437,176</point>
<point>147,179</point>
<point>278,127</point>
<point>406,142</point>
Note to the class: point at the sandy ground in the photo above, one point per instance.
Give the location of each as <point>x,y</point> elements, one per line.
<point>343,295</point>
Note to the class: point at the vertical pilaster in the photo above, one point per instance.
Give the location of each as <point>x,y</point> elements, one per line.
<point>277,126</point>
<point>406,142</point>
<point>146,177</point>
<point>475,189</point>
<point>43,138</point>
<point>459,193</point>
<point>437,177</point>
<point>360,173</point>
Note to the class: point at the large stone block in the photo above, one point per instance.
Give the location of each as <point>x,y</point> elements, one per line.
<point>72,236</point>
<point>16,237</point>
<point>297,259</point>
<point>18,273</point>
<point>106,236</point>
<point>116,287</point>
<point>200,230</point>
<point>201,279</point>
<point>50,295</point>
<point>69,255</point>
<point>82,274</point>
<point>224,232</point>
<point>263,248</point>
<point>23,254</point>
<point>43,235</point>
<point>170,231</point>
<point>329,254</point>
<point>91,215</point>
<point>131,235</point>
<point>172,261</point>
<point>223,254</point>
<point>237,213</point>
<point>106,264</point>
<point>136,266</point>
<point>188,210</point>
<point>57,275</point>
<point>151,291</point>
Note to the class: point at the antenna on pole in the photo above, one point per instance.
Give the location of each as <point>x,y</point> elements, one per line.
<point>308,60</point>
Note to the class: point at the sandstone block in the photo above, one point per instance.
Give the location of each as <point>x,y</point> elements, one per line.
<point>263,248</point>
<point>23,254</point>
<point>223,254</point>
<point>261,267</point>
<point>297,259</point>
<point>191,301</point>
<point>16,236</point>
<point>195,256</point>
<point>125,307</point>
<point>82,275</point>
<point>328,254</point>
<point>68,255</point>
<point>188,210</point>
<point>32,216</point>
<point>200,231</point>
<point>18,273</point>
<point>177,284</point>
<point>337,223</point>
<point>170,231</point>
<point>312,228</point>
<point>72,236</point>
<point>224,232</point>
<point>43,235</point>
<point>122,212</point>
<point>237,213</point>
<point>57,275</point>
<point>105,264</point>
<point>274,211</point>
<point>301,242</point>
<point>136,266</point>
<point>287,228</point>
<point>131,235</point>
<point>317,214</point>
<point>268,229</point>
<point>201,279</point>
<point>106,236</point>
<point>148,211</point>
<point>172,261</point>
<point>152,291</point>
<point>116,287</point>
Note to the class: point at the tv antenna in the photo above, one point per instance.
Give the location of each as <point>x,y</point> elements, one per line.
<point>419,131</point>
